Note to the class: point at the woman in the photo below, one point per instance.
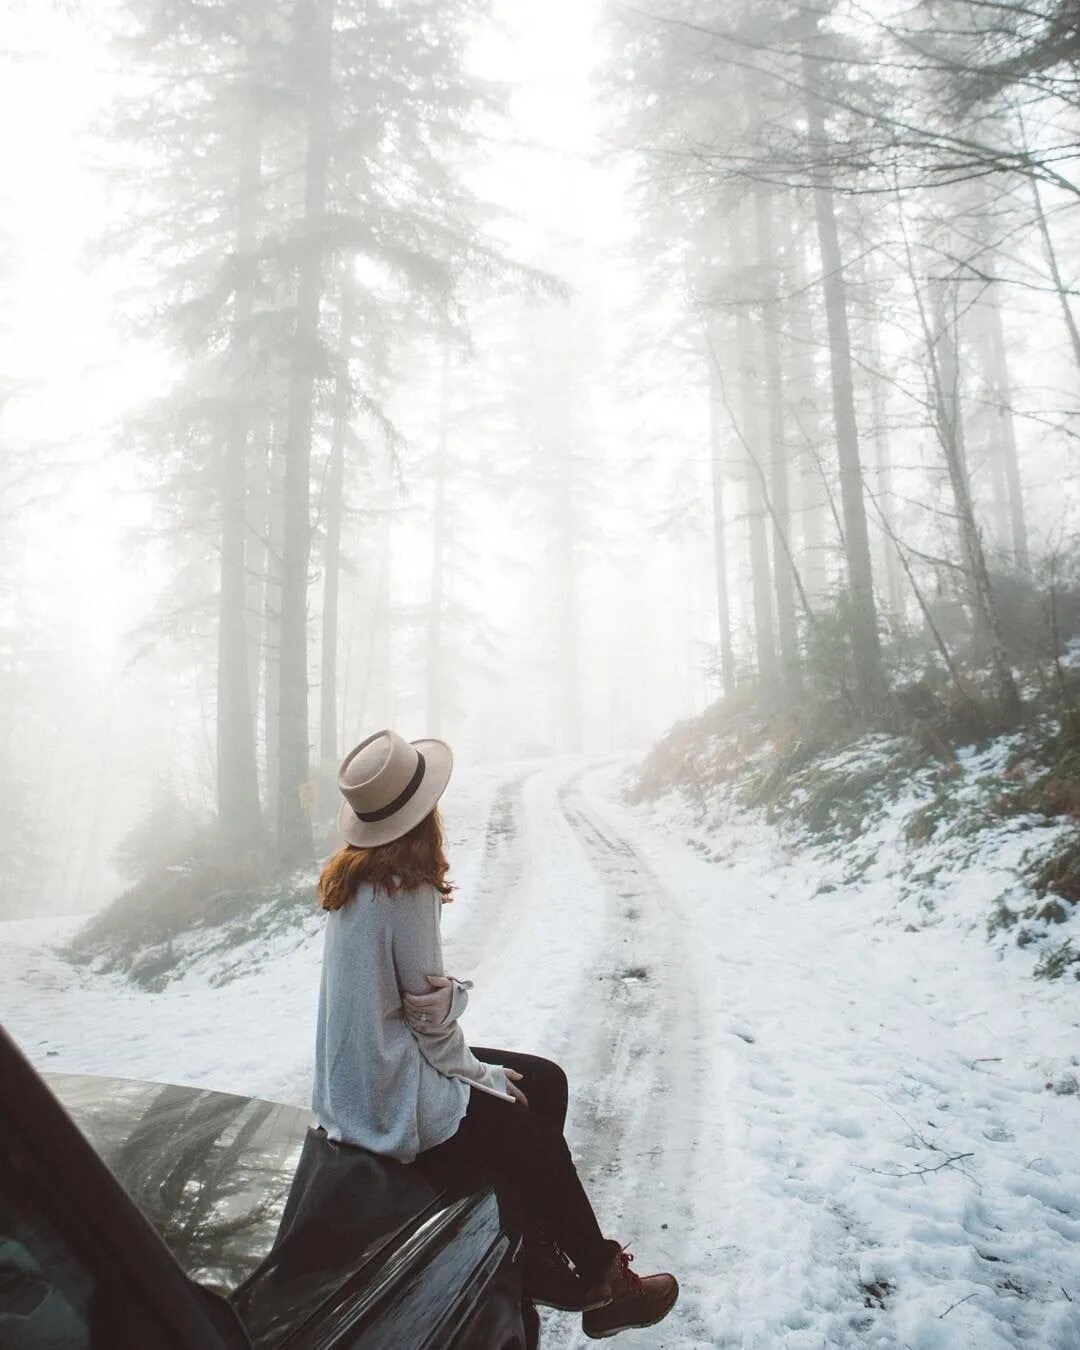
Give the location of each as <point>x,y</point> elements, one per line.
<point>393,1072</point>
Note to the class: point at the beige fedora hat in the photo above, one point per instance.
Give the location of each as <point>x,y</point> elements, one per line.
<point>389,785</point>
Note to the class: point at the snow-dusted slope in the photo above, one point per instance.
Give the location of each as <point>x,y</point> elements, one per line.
<point>891,1115</point>
<point>834,1126</point>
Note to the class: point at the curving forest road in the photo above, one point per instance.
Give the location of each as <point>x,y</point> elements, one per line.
<point>832,1140</point>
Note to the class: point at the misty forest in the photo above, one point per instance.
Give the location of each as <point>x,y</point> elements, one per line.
<point>676,409</point>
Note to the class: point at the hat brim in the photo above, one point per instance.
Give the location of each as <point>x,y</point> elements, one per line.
<point>438,766</point>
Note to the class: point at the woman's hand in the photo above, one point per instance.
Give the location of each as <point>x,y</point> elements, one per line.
<point>425,1011</point>
<point>512,1079</point>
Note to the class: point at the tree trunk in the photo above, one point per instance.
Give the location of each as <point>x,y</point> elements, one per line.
<point>1008,695</point>
<point>768,266</point>
<point>950,426</point>
<point>255,565</point>
<point>804,415</point>
<point>271,610</point>
<point>870,689</point>
<point>894,592</point>
<point>982,598</point>
<point>239,813</point>
<point>1055,272</point>
<point>723,607</point>
<point>376,682</point>
<point>436,599</point>
<point>295,792</point>
<point>333,509</point>
<point>996,373</point>
<point>746,335</point>
<point>567,598</point>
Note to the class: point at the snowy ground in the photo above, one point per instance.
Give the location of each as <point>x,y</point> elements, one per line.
<point>837,1132</point>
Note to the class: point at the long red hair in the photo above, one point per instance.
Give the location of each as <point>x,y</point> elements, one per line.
<point>416,859</point>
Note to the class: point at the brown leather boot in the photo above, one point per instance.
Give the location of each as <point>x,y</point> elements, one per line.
<point>547,1277</point>
<point>634,1300</point>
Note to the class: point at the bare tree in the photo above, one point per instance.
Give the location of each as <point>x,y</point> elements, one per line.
<point>948,429</point>
<point>866,646</point>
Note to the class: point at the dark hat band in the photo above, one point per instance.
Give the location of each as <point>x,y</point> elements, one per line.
<point>406,795</point>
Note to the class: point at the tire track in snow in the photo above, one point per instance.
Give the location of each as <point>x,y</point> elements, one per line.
<point>637,1127</point>
<point>528,923</point>
<point>493,908</point>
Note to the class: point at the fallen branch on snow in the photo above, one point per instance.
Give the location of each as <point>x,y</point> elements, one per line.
<point>951,1306</point>
<point>920,1171</point>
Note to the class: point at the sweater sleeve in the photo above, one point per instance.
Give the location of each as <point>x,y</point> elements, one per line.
<point>417,946</point>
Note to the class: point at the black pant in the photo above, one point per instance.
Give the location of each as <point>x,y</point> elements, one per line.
<point>526,1145</point>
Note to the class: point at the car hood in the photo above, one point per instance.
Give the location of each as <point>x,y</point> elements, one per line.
<point>251,1200</point>
<point>210,1170</point>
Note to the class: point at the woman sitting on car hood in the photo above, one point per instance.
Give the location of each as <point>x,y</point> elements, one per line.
<point>393,1072</point>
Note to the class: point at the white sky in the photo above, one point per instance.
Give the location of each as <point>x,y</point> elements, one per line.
<point>59,333</point>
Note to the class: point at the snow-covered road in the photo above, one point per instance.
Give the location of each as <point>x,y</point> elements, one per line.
<point>836,1133</point>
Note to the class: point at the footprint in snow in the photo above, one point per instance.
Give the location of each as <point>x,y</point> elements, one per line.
<point>634,975</point>
<point>848,1129</point>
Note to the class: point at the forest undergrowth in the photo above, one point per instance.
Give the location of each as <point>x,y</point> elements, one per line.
<point>963,821</point>
<point>165,924</point>
<point>192,899</point>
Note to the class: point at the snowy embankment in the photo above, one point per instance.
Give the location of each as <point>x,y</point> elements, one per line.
<point>837,1112</point>
<point>900,1118</point>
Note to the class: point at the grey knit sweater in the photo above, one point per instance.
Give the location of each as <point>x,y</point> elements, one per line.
<point>378,1083</point>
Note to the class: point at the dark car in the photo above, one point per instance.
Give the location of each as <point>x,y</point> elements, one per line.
<point>144,1216</point>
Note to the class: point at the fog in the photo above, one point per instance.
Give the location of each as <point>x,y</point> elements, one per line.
<point>528,376</point>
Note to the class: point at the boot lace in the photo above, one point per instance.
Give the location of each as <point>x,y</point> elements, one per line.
<point>631,1276</point>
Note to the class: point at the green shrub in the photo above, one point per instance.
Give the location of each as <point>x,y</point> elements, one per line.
<point>1057,961</point>
<point>1059,875</point>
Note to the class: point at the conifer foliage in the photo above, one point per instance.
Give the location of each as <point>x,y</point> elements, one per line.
<point>293,169</point>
